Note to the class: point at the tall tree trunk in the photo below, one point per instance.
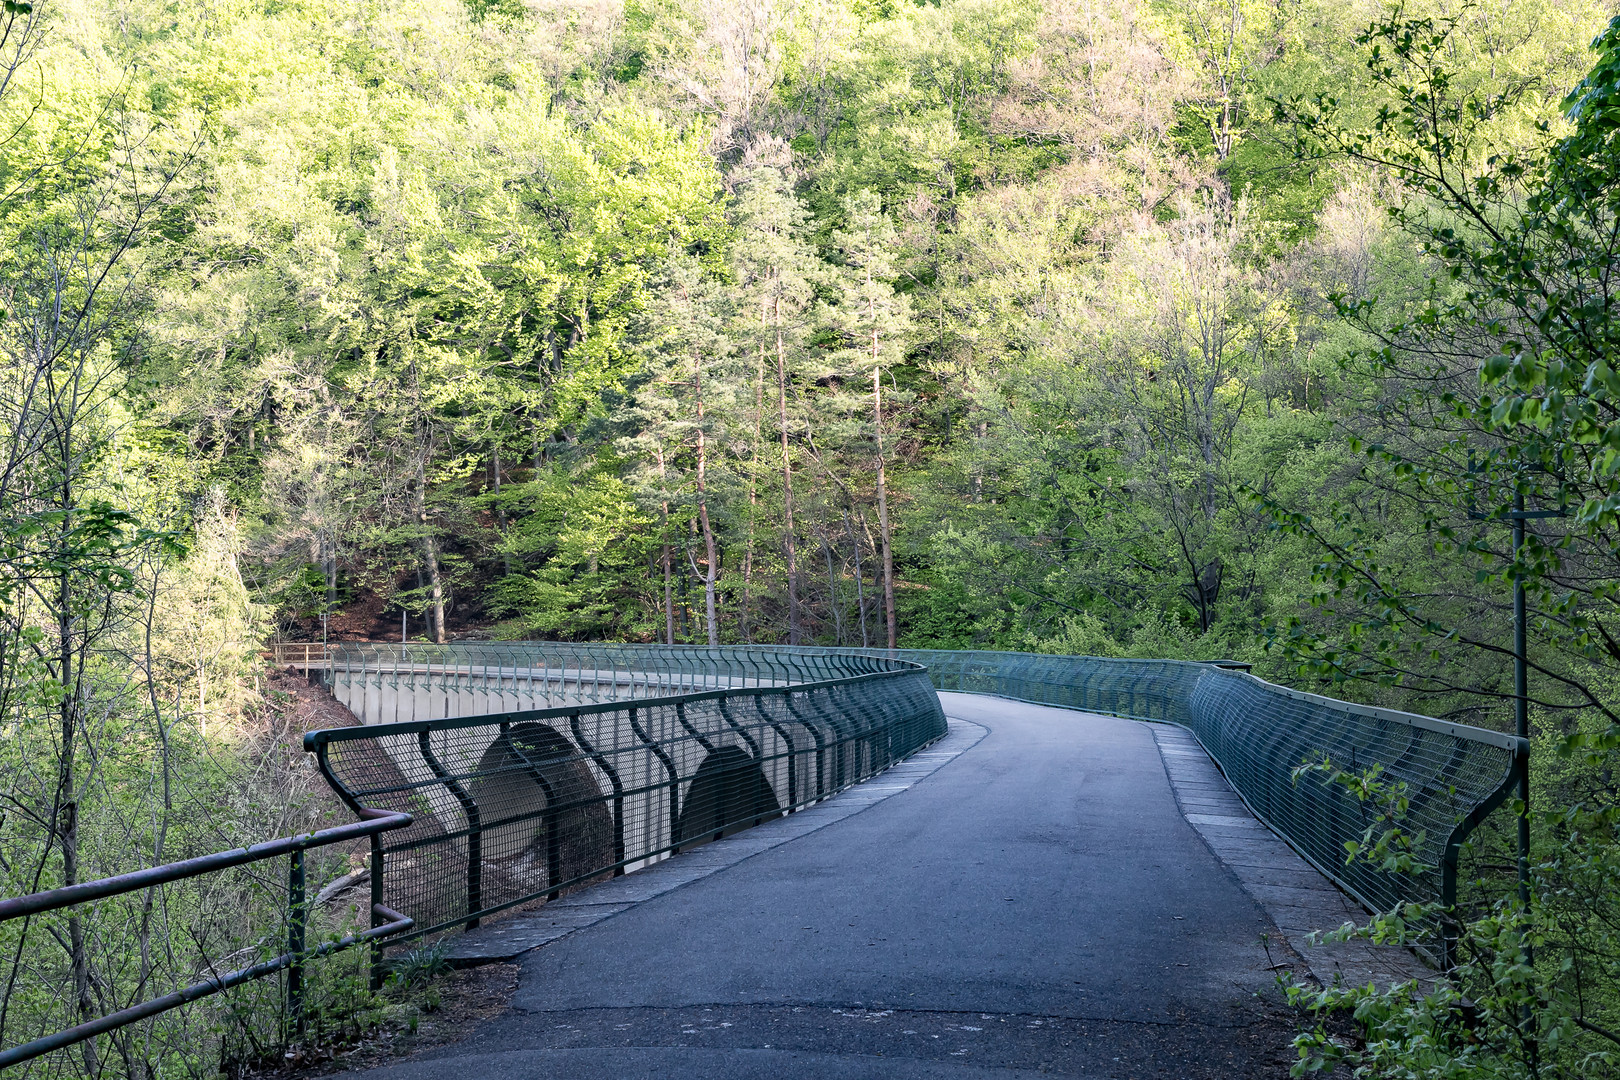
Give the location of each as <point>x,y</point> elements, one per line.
<point>669,597</point>
<point>500,510</point>
<point>551,356</point>
<point>423,433</point>
<point>669,582</point>
<point>430,550</point>
<point>983,432</point>
<point>67,793</point>
<point>753,492</point>
<point>883,496</point>
<point>686,586</point>
<point>166,761</point>
<point>860,578</point>
<point>430,556</point>
<point>832,584</point>
<point>329,569</point>
<point>68,809</point>
<point>794,630</point>
<point>711,569</point>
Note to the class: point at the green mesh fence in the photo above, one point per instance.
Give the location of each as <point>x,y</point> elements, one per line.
<point>532,769</point>
<point>616,781</point>
<point>1259,733</point>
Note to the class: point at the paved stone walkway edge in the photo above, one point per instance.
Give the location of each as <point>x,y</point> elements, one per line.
<point>508,938</point>
<point>1298,898</point>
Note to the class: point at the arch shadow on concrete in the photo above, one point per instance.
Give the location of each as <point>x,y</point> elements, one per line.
<point>728,793</point>
<point>539,805</point>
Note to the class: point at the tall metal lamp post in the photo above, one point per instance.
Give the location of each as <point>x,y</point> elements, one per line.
<point>1521,676</point>
<point>1521,683</point>
<point>1521,712</point>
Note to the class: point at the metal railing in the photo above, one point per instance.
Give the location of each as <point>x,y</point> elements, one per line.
<point>621,769</point>
<point>1453,775</point>
<point>642,751</point>
<point>300,654</point>
<point>395,683</point>
<point>1258,733</point>
<point>385,922</point>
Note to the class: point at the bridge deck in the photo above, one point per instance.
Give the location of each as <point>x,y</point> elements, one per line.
<point>1037,905</point>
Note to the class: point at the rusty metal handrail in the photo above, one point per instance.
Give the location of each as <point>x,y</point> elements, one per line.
<point>385,923</point>
<point>304,654</point>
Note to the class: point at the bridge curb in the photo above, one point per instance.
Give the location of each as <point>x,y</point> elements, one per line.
<point>1295,896</point>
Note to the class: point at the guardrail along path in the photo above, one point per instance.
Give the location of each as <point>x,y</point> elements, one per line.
<point>1039,905</point>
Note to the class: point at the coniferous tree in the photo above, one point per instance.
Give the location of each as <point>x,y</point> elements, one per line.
<point>685,408</point>
<point>777,268</point>
<point>875,321</point>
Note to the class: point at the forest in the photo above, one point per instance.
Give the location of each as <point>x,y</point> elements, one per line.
<point>1229,329</point>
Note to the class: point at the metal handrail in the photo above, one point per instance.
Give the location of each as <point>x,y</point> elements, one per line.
<point>618,779</point>
<point>1259,733</point>
<point>304,654</point>
<point>385,923</point>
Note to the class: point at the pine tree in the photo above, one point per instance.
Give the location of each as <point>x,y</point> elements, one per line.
<point>875,323</point>
<point>778,269</point>
<point>685,403</point>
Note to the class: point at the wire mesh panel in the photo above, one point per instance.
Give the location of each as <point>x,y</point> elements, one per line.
<point>1451,773</point>
<point>1136,689</point>
<point>1259,733</point>
<point>642,750</point>
<point>384,684</point>
<point>515,805</point>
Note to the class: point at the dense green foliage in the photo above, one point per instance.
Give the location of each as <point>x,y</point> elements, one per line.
<point>564,321</point>
<point>1094,326</point>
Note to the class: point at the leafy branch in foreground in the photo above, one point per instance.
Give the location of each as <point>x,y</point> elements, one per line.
<point>1495,1015</point>
<point>1497,393</point>
<point>1497,385</point>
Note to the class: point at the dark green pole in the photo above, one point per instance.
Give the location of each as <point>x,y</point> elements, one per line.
<point>1521,723</point>
<point>297,919</point>
<point>1521,698</point>
<point>377,970</point>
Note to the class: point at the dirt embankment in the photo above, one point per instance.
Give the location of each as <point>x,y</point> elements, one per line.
<point>300,706</point>
<point>368,617</point>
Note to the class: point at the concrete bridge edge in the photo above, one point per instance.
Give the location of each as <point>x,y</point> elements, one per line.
<point>1296,897</point>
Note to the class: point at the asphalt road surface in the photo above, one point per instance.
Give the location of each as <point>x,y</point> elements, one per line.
<point>1037,906</point>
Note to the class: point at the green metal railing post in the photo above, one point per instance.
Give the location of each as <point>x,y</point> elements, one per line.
<point>1521,702</point>
<point>297,922</point>
<point>377,970</point>
<point>17,907</point>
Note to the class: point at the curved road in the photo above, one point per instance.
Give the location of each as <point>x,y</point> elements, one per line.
<point>1037,905</point>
